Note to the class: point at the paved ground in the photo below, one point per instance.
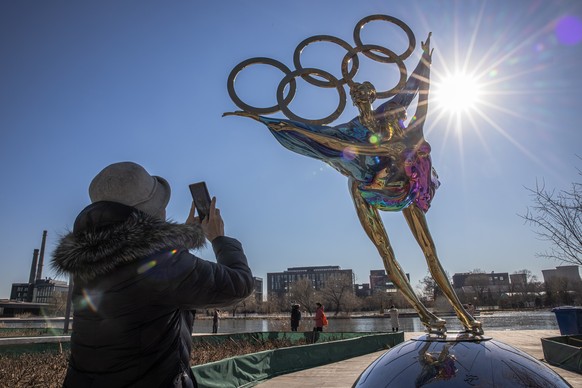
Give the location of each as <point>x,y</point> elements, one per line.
<point>343,374</point>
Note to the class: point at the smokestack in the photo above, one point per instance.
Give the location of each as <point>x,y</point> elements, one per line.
<point>41,257</point>
<point>33,266</point>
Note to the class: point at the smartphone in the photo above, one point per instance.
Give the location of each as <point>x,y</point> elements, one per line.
<point>201,198</point>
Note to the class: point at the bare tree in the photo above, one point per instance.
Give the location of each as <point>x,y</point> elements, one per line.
<point>275,303</point>
<point>245,305</point>
<point>303,293</point>
<point>557,218</point>
<point>479,283</point>
<point>429,288</point>
<point>559,291</point>
<point>58,304</point>
<point>378,301</point>
<point>336,290</point>
<point>530,282</point>
<point>525,290</point>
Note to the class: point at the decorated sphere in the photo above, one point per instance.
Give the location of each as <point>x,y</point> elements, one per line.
<point>457,362</point>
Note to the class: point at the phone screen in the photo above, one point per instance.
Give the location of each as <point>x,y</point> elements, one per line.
<point>201,198</point>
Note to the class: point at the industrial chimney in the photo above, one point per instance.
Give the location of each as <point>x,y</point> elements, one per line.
<point>41,257</point>
<point>33,266</point>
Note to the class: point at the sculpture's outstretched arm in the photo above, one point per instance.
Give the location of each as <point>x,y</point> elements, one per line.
<point>327,141</point>
<point>372,224</point>
<point>243,114</point>
<point>417,222</point>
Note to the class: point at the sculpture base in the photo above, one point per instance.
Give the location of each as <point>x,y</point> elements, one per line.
<point>459,360</point>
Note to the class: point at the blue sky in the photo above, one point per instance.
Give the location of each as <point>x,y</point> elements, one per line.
<point>86,84</point>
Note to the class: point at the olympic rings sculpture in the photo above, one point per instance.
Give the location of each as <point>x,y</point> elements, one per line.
<point>374,52</point>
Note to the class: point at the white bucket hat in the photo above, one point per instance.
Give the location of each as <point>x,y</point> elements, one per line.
<point>130,184</point>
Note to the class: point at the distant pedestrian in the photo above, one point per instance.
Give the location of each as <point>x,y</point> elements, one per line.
<point>319,317</point>
<point>215,319</point>
<point>394,317</point>
<point>295,317</point>
<point>471,309</point>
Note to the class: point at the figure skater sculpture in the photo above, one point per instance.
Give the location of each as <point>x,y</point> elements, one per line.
<point>388,166</point>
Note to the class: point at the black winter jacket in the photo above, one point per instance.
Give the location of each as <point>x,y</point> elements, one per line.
<point>135,285</point>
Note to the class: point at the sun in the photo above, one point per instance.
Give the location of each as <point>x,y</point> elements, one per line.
<point>457,93</point>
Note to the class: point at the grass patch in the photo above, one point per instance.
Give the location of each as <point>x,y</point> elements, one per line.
<point>48,369</point>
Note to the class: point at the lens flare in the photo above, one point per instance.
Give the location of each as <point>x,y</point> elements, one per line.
<point>149,265</point>
<point>87,301</point>
<point>569,30</point>
<point>349,153</point>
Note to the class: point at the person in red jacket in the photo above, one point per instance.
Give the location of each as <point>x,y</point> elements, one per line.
<point>135,283</point>
<point>318,317</point>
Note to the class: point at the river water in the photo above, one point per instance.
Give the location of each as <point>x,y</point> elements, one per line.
<point>502,320</point>
<point>505,320</point>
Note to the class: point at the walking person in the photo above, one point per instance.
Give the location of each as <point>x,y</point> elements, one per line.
<point>135,284</point>
<point>215,320</point>
<point>319,317</point>
<point>295,317</point>
<point>394,317</point>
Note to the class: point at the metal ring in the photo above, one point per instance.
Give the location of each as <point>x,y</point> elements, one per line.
<point>323,38</point>
<point>391,19</point>
<point>264,61</point>
<point>371,47</point>
<point>322,73</point>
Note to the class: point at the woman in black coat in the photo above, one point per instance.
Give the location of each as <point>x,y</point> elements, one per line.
<point>136,283</point>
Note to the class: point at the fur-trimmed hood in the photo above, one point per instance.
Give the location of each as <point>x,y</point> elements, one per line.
<point>107,235</point>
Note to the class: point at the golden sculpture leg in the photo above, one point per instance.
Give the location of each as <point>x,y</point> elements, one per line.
<point>417,223</point>
<point>372,224</point>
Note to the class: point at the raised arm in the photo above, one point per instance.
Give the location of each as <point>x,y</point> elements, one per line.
<point>417,84</point>
<point>422,74</point>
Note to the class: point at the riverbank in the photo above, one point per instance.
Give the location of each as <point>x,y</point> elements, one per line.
<point>405,313</point>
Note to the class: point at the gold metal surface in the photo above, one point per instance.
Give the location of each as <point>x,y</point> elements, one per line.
<point>417,222</point>
<point>374,227</point>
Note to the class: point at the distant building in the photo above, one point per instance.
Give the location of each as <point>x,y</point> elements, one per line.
<point>518,279</point>
<point>278,283</point>
<point>569,273</point>
<point>258,283</point>
<point>380,281</point>
<point>37,292</point>
<point>22,292</point>
<point>47,289</point>
<point>41,291</point>
<point>363,290</point>
<point>494,281</point>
